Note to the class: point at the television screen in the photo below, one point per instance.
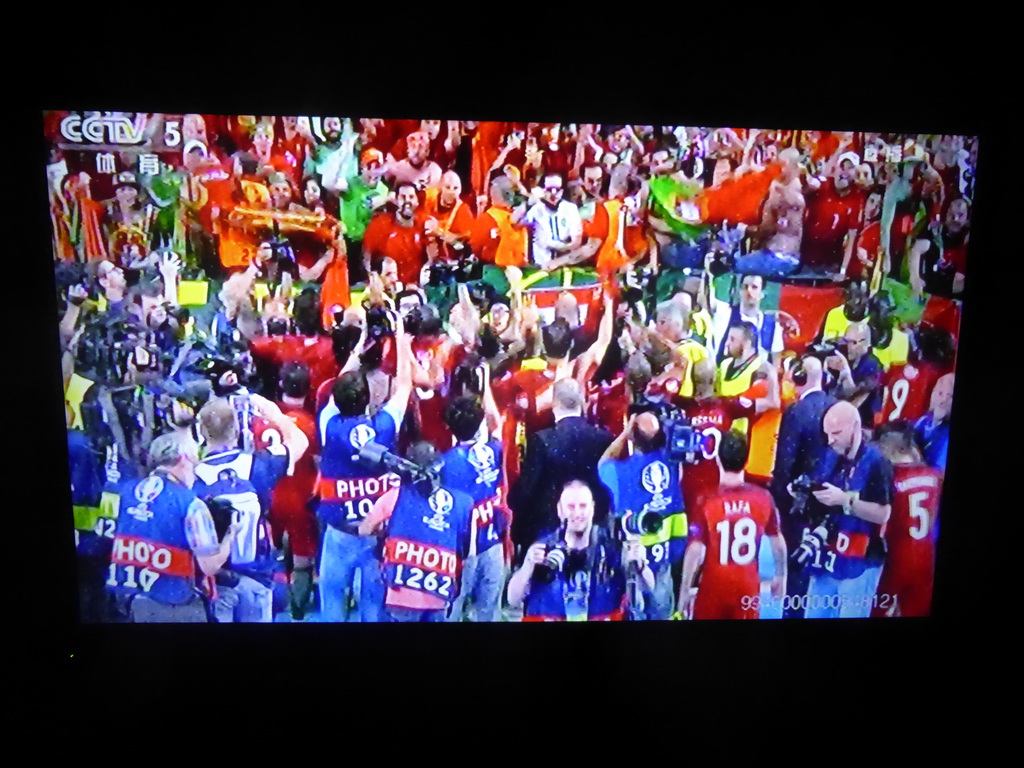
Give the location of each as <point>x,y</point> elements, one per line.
<point>340,369</point>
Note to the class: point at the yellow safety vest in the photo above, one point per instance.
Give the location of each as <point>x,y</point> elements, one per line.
<point>734,382</point>
<point>897,352</point>
<point>74,394</point>
<point>694,352</point>
<point>836,323</point>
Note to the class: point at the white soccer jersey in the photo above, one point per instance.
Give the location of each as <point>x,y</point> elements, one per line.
<point>552,226</point>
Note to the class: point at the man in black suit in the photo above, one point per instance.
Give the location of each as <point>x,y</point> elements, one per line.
<point>802,443</point>
<point>567,451</point>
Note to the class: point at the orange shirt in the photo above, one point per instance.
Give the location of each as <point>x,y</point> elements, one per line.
<point>497,241</point>
<point>461,224</point>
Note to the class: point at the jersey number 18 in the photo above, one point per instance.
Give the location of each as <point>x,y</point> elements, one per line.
<point>738,544</point>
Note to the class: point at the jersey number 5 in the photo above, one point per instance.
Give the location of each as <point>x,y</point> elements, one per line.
<point>922,517</point>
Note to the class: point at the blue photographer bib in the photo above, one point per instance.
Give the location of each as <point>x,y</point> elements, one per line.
<point>150,553</point>
<point>427,537</point>
<point>851,539</point>
<point>347,489</point>
<point>649,482</point>
<point>475,469</point>
<point>578,595</point>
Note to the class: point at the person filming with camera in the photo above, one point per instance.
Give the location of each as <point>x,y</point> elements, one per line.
<point>579,573</point>
<point>426,528</point>
<point>643,485</point>
<point>857,372</point>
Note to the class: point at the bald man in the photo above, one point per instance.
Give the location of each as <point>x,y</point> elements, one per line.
<point>932,429</point>
<point>450,220</point>
<point>801,446</point>
<point>850,508</point>
<point>648,481</point>
<point>569,450</point>
<point>859,378</point>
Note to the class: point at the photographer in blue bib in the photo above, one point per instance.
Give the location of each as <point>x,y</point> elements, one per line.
<point>580,572</point>
<point>845,501</point>
<point>426,530</point>
<point>165,539</point>
<point>647,495</point>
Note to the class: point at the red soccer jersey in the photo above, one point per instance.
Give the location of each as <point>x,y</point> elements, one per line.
<point>712,417</point>
<point>910,535</point>
<point>730,523</point>
<point>316,352</point>
<point>942,313</point>
<point>870,241</point>
<point>908,390</point>
<point>608,405</point>
<point>829,217</point>
<point>428,405</point>
<point>288,511</point>
<point>406,245</point>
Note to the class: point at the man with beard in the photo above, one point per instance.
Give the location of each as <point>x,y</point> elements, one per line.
<point>834,212</point>
<point>416,168</point>
<point>398,234</point>
<point>866,264</point>
<point>938,263</point>
<point>556,228</point>
<point>334,161</point>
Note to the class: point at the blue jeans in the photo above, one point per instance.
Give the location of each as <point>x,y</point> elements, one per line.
<point>832,598</point>
<point>680,254</point>
<point>246,602</point>
<point>659,604</point>
<point>406,615</point>
<point>342,557</point>
<point>483,577</point>
<point>767,264</point>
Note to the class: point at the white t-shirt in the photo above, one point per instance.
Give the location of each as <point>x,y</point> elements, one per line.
<point>552,226</point>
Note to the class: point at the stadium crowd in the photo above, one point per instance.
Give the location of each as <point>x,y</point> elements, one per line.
<point>426,370</point>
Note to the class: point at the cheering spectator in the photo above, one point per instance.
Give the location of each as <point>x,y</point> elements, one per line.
<point>398,234</point>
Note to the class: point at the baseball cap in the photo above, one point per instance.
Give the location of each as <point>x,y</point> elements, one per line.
<point>370,155</point>
<point>853,157</point>
<point>277,178</point>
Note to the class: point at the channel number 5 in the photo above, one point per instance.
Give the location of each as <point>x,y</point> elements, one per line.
<point>737,541</point>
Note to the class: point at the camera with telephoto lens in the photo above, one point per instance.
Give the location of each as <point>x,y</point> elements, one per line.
<point>813,542</point>
<point>642,523</point>
<point>816,517</point>
<point>554,561</point>
<point>826,349</point>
